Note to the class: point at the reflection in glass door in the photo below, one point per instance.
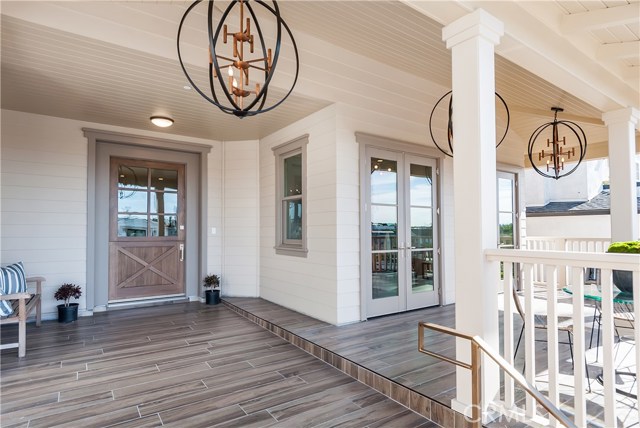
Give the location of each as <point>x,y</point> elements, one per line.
<point>401,218</point>
<point>507,217</point>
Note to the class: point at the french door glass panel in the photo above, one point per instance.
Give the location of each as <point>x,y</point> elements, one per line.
<point>401,213</point>
<point>384,228</point>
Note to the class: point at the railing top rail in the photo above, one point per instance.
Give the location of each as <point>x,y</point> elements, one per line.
<point>565,238</point>
<point>510,370</point>
<point>566,258</point>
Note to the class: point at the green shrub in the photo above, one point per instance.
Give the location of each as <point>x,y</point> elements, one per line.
<point>632,247</point>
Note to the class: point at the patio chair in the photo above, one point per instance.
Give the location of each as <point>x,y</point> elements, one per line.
<point>565,323</point>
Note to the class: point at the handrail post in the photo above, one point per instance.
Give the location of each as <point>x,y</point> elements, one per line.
<point>476,385</point>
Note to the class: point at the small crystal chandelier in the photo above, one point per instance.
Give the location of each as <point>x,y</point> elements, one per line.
<point>553,161</point>
<point>230,64</point>
<point>449,151</point>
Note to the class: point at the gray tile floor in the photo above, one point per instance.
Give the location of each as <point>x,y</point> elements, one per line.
<point>182,365</point>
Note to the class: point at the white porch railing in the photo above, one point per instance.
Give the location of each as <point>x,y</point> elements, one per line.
<point>554,243</point>
<point>553,262</point>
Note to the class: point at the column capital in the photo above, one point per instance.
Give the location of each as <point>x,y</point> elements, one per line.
<point>478,23</point>
<point>623,115</point>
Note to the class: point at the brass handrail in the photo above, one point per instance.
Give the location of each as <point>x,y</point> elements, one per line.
<point>478,345</point>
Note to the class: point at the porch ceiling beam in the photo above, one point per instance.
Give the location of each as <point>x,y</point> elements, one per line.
<point>619,50</point>
<point>601,18</point>
<point>534,42</point>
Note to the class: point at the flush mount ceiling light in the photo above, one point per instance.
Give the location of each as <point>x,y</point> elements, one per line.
<point>449,152</point>
<point>230,63</point>
<point>553,161</point>
<point>161,121</point>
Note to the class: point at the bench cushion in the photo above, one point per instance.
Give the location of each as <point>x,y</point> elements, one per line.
<point>12,280</point>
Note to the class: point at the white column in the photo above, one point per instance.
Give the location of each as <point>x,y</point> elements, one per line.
<point>622,175</point>
<point>472,39</point>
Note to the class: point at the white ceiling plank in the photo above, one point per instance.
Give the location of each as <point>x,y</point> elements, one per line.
<point>601,18</point>
<point>619,50</point>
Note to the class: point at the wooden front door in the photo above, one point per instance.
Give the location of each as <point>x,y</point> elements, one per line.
<point>146,230</point>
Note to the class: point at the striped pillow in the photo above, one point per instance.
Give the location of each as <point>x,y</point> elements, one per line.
<point>12,280</point>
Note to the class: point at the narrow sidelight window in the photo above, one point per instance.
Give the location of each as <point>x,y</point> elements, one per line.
<point>290,197</point>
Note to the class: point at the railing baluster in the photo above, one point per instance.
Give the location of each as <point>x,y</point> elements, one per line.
<point>509,398</point>
<point>579,364</point>
<point>608,369</point>
<point>529,336</point>
<point>553,369</point>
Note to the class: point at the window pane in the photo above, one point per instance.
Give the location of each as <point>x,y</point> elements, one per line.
<point>164,179</point>
<point>132,177</point>
<point>384,181</point>
<point>421,227</point>
<point>132,225</point>
<point>293,219</point>
<point>505,195</point>
<point>163,225</point>
<point>420,185</point>
<point>130,201</point>
<point>162,202</point>
<point>421,271</point>
<point>293,175</point>
<point>506,230</point>
<point>384,228</point>
<point>384,275</point>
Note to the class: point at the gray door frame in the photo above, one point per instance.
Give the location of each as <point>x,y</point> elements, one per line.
<point>101,146</point>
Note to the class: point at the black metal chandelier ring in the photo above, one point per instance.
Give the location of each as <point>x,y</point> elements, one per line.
<point>556,157</point>
<point>232,102</point>
<point>450,123</point>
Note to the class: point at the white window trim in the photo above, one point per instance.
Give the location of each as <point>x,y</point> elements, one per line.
<point>281,152</point>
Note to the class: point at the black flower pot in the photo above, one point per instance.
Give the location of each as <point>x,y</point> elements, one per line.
<point>623,279</point>
<point>68,313</point>
<point>212,297</point>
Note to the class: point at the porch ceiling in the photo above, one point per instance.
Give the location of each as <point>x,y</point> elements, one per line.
<point>115,63</point>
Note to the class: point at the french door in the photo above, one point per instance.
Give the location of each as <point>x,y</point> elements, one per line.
<point>147,229</point>
<point>401,217</point>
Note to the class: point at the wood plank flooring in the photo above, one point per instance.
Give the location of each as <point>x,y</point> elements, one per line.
<point>182,365</point>
<point>387,346</point>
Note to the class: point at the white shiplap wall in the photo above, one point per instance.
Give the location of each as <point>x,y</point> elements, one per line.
<point>241,219</point>
<point>44,197</point>
<point>307,285</point>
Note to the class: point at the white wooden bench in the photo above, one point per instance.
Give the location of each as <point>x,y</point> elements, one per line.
<point>23,304</point>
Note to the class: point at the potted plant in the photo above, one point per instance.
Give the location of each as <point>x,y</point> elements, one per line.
<point>212,293</point>
<point>623,279</point>
<point>67,312</point>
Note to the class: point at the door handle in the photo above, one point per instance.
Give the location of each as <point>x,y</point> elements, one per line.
<point>181,252</point>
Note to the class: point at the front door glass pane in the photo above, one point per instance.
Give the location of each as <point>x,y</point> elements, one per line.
<point>130,201</point>
<point>164,179</point>
<point>132,177</point>
<point>143,210</point>
<point>162,202</point>
<point>132,225</point>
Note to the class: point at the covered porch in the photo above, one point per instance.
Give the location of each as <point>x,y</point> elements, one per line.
<point>250,362</point>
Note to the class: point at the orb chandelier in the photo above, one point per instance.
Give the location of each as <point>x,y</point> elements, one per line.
<point>231,49</point>
<point>449,151</point>
<point>551,163</point>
